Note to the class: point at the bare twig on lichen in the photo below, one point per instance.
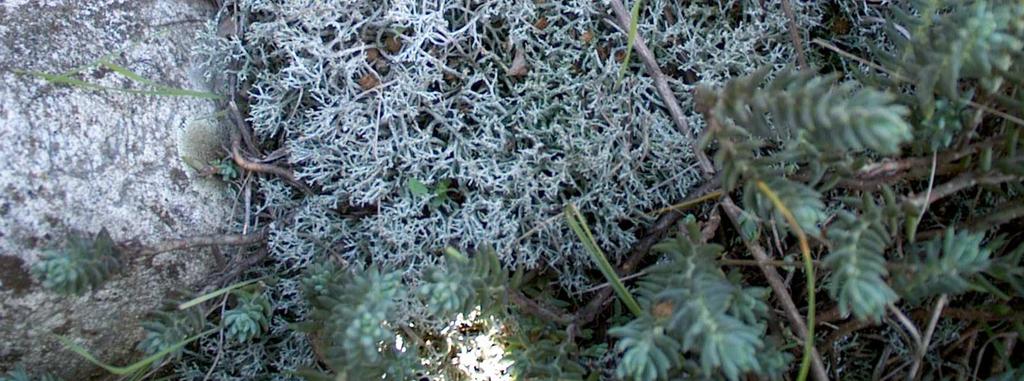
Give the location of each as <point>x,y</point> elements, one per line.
<point>137,249</point>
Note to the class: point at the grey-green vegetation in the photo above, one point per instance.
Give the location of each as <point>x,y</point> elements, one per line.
<point>443,140</point>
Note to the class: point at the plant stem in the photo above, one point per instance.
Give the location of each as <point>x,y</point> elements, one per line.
<point>651,236</point>
<point>634,21</point>
<point>136,366</point>
<point>778,287</point>
<point>927,339</point>
<point>689,203</point>
<point>959,183</point>
<point>805,248</point>
<point>900,78</point>
<point>139,250</point>
<point>202,298</point>
<point>579,226</point>
<point>252,166</point>
<point>794,34</point>
<point>661,85</point>
<point>536,309</point>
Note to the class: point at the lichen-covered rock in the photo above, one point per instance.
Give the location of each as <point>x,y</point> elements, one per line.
<point>76,160</point>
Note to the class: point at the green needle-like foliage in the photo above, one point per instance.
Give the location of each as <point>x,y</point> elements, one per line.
<point>20,374</point>
<point>936,132</point>
<point>647,353</point>
<point>541,351</point>
<point>444,293</point>
<point>170,326</point>
<point>354,316</point>
<point>419,126</point>
<point>858,263</point>
<point>694,307</point>
<point>833,118</point>
<point>803,201</point>
<point>1009,375</point>
<point>953,40</point>
<point>84,264</point>
<point>944,265</point>
<point>1010,269</point>
<point>464,284</point>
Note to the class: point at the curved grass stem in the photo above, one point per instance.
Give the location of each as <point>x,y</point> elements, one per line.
<point>805,249</point>
<point>134,367</point>
<point>634,23</point>
<point>579,226</point>
<point>715,194</point>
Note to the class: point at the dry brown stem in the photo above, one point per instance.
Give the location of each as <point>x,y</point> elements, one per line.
<point>135,248</point>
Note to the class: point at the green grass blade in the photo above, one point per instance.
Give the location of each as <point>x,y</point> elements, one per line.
<point>582,230</point>
<point>202,298</point>
<point>126,73</point>
<point>136,366</point>
<point>66,79</point>
<point>805,249</point>
<point>634,24</point>
<point>176,92</point>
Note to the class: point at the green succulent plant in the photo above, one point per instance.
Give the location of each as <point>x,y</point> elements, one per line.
<point>83,264</point>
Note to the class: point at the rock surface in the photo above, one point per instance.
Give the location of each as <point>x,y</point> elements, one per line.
<point>76,160</point>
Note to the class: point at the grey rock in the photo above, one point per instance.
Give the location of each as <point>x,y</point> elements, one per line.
<point>74,160</point>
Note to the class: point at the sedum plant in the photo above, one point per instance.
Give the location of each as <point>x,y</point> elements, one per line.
<point>249,318</point>
<point>168,327</point>
<point>20,374</point>
<point>858,283</point>
<point>353,319</point>
<point>464,283</point>
<point>693,308</point>
<point>82,265</point>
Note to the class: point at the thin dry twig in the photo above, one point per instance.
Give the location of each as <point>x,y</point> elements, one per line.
<point>137,249</point>
<point>773,263</point>
<point>708,170</point>
<point>931,184</point>
<point>660,84</point>
<point>1003,213</point>
<point>220,345</point>
<point>689,203</point>
<point>606,284</point>
<point>707,232</point>
<point>927,338</point>
<point>844,330</point>
<point>590,311</point>
<point>972,315</point>
<point>238,267</point>
<point>534,308</point>
<point>253,166</point>
<point>981,352</point>
<point>907,324</point>
<point>653,234</point>
<point>895,167</point>
<point>243,127</point>
<point>778,288</point>
<point>794,34</point>
<point>959,183</point>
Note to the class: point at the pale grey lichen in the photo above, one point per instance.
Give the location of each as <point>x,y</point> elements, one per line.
<point>443,104</point>
<point>368,96</point>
